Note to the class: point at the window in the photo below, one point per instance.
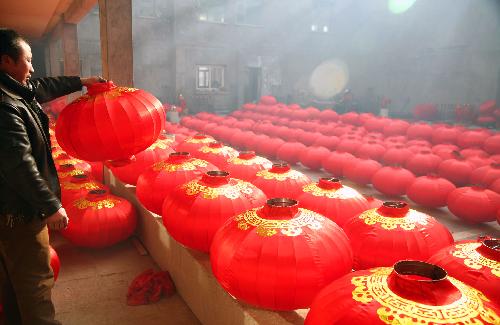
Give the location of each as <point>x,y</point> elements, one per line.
<point>212,11</point>
<point>210,77</point>
<point>321,16</point>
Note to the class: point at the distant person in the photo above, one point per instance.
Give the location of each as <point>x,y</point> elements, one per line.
<point>29,186</point>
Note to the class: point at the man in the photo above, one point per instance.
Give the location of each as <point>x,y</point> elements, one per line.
<point>29,187</point>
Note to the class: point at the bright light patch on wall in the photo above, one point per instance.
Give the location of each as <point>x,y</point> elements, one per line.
<point>329,78</point>
<point>399,6</point>
<point>325,29</point>
<point>314,28</point>
<point>203,17</point>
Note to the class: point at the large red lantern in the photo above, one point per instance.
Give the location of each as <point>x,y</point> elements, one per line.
<point>246,165</point>
<point>157,181</point>
<point>361,171</point>
<point>383,236</point>
<point>279,256</point>
<point>329,197</point>
<point>492,144</point>
<point>194,211</point>
<point>281,181</point>
<point>472,138</point>
<point>129,173</point>
<point>392,181</point>
<point>474,204</point>
<point>445,134</point>
<point>456,170</point>
<point>423,163</point>
<point>397,155</point>
<point>216,153</point>
<point>337,161</point>
<point>476,263</point>
<point>78,186</point>
<point>110,123</point>
<point>419,131</point>
<point>430,191</point>
<point>411,293</point>
<point>100,220</point>
<point>485,175</point>
<point>313,157</point>
<point>291,152</point>
<point>67,167</point>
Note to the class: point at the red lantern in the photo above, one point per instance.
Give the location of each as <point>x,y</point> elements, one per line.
<point>67,167</point>
<point>495,186</point>
<point>281,181</point>
<point>419,131</point>
<point>55,263</point>
<point>445,134</point>
<point>474,204</point>
<point>313,157</point>
<point>329,142</point>
<point>456,170</point>
<point>291,152</point>
<point>485,175</point>
<point>397,155</point>
<point>336,162</point>
<point>412,292</point>
<point>271,147</point>
<point>335,201</point>
<point>425,112</point>
<point>97,170</point>
<point>423,163</point>
<point>472,138</point>
<point>100,220</point>
<point>373,202</point>
<point>246,165</point>
<point>430,191</point>
<point>129,173</point>
<point>216,153</point>
<point>396,127</point>
<point>110,123</point>
<point>192,144</point>
<point>392,181</point>
<point>361,171</point>
<point>473,152</point>
<point>350,144</point>
<point>476,263</point>
<point>492,144</point>
<point>154,184</point>
<point>383,236</point>
<point>194,211</point>
<point>77,186</point>
<point>279,256</point>
<point>371,150</point>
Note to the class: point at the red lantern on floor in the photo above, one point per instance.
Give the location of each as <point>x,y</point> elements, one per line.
<point>77,186</point>
<point>216,153</point>
<point>291,152</point>
<point>492,145</point>
<point>393,232</point>
<point>313,157</point>
<point>495,186</point>
<point>192,144</point>
<point>279,256</point>
<point>423,163</point>
<point>485,175</point>
<point>67,167</point>
<point>194,211</point>
<point>271,147</point>
<point>419,131</point>
<point>350,144</point>
<point>456,170</point>
<point>476,263</point>
<point>129,173</point>
<point>412,292</point>
<point>373,202</point>
<point>335,201</point>
<point>392,181</point>
<point>430,191</point>
<point>361,171</point>
<point>472,138</point>
<point>100,220</point>
<point>246,165</point>
<point>55,263</point>
<point>110,123</point>
<point>396,127</point>
<point>396,155</point>
<point>474,204</point>
<point>371,150</point>
<point>336,162</point>
<point>281,181</point>
<point>160,179</point>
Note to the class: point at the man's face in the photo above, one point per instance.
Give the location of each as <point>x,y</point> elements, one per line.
<point>21,69</point>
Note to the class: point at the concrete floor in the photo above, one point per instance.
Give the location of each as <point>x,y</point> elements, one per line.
<point>92,288</point>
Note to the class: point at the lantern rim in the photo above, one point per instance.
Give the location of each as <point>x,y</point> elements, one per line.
<point>280,167</point>
<point>329,183</point>
<point>490,247</point>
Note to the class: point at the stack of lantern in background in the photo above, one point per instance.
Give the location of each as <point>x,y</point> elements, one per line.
<point>489,113</point>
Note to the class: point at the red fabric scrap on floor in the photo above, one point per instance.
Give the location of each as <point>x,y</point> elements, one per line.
<point>149,286</point>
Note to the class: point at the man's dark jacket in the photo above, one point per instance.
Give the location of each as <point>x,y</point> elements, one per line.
<point>29,186</point>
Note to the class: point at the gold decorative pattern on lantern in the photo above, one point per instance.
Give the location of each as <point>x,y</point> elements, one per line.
<point>474,260</point>
<point>101,204</point>
<point>79,186</point>
<point>73,172</point>
<point>408,222</point>
<point>118,91</point>
<point>202,140</point>
<point>56,153</point>
<point>291,174</point>
<point>231,192</point>
<point>248,162</point>
<point>222,150</point>
<point>192,164</point>
<point>344,192</point>
<point>396,310</point>
<point>160,144</point>
<point>68,161</point>
<point>270,227</point>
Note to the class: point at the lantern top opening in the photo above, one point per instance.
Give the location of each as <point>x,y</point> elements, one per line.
<point>423,271</point>
<point>281,202</point>
<point>218,173</point>
<point>490,248</point>
<point>246,155</point>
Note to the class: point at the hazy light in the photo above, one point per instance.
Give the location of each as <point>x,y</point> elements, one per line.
<point>203,17</point>
<point>329,78</point>
<point>400,6</point>
<point>325,29</point>
<point>314,28</point>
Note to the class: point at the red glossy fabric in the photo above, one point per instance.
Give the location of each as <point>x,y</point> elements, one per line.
<point>216,153</point>
<point>392,181</point>
<point>361,171</point>
<point>474,204</point>
<point>55,263</point>
<point>281,181</point>
<point>457,171</point>
<point>430,191</point>
<point>110,123</point>
<point>336,162</point>
<point>76,187</point>
<point>192,144</point>
<point>313,157</point>
<point>246,165</point>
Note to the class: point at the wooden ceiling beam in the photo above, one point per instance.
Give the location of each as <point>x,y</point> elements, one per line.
<point>78,10</point>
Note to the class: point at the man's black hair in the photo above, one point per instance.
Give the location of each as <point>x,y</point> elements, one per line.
<point>10,43</point>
